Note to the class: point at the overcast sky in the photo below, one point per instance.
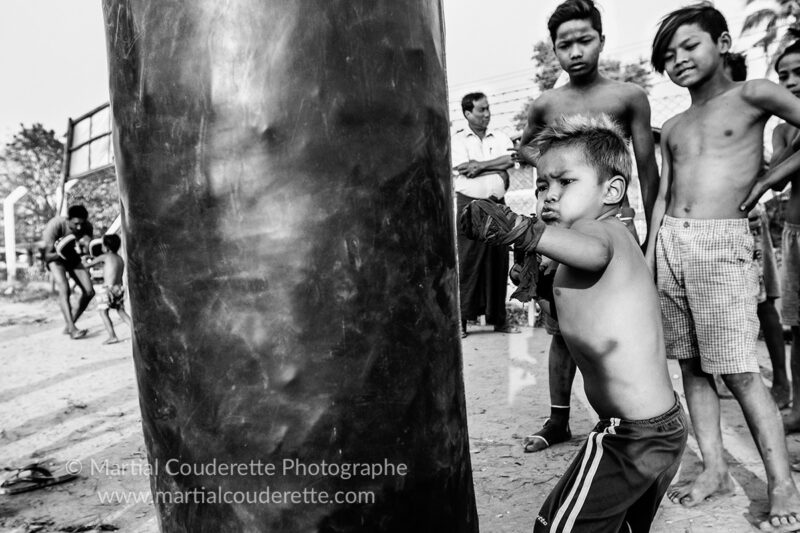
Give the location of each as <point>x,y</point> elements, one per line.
<point>54,67</point>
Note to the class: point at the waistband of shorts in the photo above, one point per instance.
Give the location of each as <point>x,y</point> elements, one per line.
<point>794,228</point>
<point>709,224</point>
<point>668,416</point>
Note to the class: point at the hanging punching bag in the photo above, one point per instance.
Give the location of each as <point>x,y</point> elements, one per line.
<point>287,213</point>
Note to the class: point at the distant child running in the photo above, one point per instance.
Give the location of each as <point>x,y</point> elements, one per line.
<point>113,294</point>
<point>610,320</point>
<point>707,282</point>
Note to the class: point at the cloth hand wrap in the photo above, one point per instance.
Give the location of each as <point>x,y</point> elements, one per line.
<point>497,225</point>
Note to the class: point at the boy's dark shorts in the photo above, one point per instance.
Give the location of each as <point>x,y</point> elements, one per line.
<point>619,477</point>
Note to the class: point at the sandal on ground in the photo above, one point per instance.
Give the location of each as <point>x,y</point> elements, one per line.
<point>32,477</point>
<point>547,436</point>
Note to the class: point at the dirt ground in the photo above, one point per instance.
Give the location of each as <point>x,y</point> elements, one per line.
<point>77,400</point>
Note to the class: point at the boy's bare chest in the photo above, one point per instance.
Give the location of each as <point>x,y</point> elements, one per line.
<point>716,128</point>
<point>610,105</point>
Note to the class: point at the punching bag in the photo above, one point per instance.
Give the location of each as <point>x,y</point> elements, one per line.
<point>287,214</point>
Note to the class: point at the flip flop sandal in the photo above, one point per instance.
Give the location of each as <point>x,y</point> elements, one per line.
<point>549,434</point>
<point>32,477</point>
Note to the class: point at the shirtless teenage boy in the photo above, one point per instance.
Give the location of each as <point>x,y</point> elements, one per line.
<point>610,321</point>
<point>700,239</point>
<point>577,34</point>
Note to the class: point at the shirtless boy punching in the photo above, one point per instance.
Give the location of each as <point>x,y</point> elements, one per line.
<point>611,322</point>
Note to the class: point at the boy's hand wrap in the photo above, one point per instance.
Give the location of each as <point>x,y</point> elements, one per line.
<point>527,277</point>
<point>497,225</point>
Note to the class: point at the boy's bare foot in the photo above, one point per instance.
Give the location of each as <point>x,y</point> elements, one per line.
<point>782,396</point>
<point>78,333</point>
<point>111,340</point>
<point>784,512</point>
<point>791,422</point>
<point>707,484</point>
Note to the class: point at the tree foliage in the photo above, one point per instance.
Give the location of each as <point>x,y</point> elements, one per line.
<point>99,193</point>
<point>32,159</point>
<point>547,71</point>
<point>778,19</point>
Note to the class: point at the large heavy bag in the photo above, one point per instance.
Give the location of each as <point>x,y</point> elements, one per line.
<point>287,213</point>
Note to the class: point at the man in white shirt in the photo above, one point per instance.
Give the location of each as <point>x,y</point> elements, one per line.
<point>480,159</point>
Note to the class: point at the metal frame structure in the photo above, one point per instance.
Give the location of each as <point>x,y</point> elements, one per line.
<point>88,151</point>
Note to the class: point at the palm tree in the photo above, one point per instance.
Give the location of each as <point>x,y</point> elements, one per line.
<point>775,18</point>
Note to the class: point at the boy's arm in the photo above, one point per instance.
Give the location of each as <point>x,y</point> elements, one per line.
<point>778,101</point>
<point>660,204</point>
<point>96,261</point>
<point>781,149</point>
<point>644,151</point>
<point>532,128</point>
<point>49,236</point>
<point>584,246</point>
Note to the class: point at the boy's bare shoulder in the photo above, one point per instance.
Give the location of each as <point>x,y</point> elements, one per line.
<point>759,93</point>
<point>627,88</point>
<point>595,228</point>
<point>546,99</point>
<point>670,124</point>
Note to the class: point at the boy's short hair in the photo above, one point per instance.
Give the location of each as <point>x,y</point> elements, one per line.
<point>112,242</point>
<point>574,10</point>
<point>737,63</point>
<point>599,138</point>
<point>468,102</point>
<point>704,14</point>
<point>77,211</point>
<point>793,48</point>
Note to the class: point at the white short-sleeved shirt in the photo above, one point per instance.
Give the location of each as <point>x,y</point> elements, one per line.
<point>467,146</point>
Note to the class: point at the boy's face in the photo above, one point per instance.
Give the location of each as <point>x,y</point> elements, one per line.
<point>692,56</point>
<point>578,46</point>
<point>567,188</point>
<point>789,73</point>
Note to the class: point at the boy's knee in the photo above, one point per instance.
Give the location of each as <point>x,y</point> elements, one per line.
<point>740,382</point>
<point>62,289</point>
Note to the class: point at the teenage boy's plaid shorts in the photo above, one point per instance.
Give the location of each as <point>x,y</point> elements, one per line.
<point>707,285</point>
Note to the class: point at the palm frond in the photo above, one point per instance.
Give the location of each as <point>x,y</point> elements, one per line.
<point>755,19</point>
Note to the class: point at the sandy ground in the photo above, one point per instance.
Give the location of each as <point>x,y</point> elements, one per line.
<point>77,400</point>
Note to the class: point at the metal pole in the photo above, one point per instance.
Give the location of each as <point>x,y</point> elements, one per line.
<point>9,224</point>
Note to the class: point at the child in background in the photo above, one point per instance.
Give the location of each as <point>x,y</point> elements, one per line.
<point>113,294</point>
